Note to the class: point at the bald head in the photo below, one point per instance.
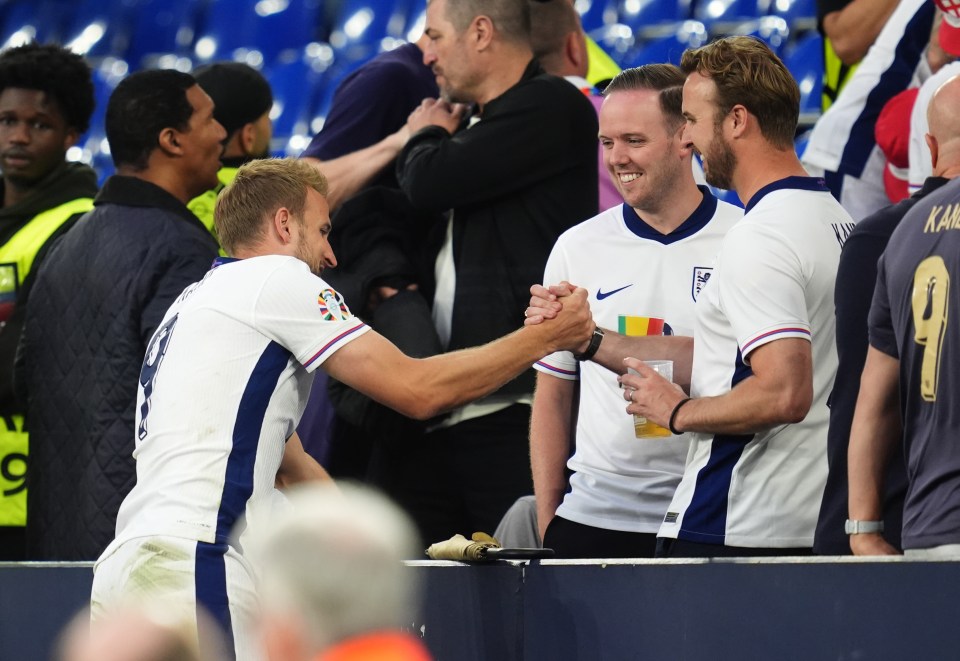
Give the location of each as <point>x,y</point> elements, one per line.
<point>557,39</point>
<point>943,135</point>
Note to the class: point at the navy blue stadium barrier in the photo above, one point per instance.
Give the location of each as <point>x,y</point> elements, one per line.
<point>738,610</point>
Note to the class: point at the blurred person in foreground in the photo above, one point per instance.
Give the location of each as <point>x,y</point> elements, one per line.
<point>333,584</point>
<point>144,632</point>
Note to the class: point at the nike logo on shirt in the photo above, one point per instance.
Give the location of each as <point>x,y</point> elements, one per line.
<point>602,295</point>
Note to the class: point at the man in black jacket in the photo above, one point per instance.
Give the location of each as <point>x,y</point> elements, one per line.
<point>856,280</point>
<point>522,173</point>
<point>97,300</point>
<point>46,99</point>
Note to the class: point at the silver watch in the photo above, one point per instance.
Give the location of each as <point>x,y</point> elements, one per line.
<point>852,527</point>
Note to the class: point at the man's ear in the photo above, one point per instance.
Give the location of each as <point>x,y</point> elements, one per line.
<point>247,137</point>
<point>685,147</point>
<point>934,149</point>
<point>575,50</point>
<point>482,28</point>
<point>739,117</point>
<point>283,225</point>
<point>169,141</point>
<point>70,139</point>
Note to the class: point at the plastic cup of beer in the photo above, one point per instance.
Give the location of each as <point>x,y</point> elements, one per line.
<point>643,428</point>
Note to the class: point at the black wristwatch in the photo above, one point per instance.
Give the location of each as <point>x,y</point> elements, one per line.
<point>592,348</point>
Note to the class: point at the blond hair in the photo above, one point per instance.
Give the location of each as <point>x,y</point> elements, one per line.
<point>260,188</point>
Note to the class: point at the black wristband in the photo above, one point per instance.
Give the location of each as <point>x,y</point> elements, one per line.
<point>673,416</point>
<point>592,348</point>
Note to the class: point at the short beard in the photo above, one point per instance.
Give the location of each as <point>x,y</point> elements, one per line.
<point>304,256</point>
<point>721,162</point>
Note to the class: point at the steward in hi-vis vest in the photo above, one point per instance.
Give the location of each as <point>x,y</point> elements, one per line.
<point>46,99</point>
<point>242,100</point>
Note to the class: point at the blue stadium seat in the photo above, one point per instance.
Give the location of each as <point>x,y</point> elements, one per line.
<point>162,28</point>
<point>366,27</point>
<point>99,28</point>
<point>228,31</point>
<point>284,27</point>
<point>93,146</point>
<point>595,14</point>
<point>33,20</point>
<point>295,86</point>
<point>646,17</point>
<point>805,62</point>
<point>772,30</point>
<point>669,48</point>
<point>722,16</point>
<point>799,14</point>
<point>616,39</point>
<point>258,32</point>
<point>416,19</point>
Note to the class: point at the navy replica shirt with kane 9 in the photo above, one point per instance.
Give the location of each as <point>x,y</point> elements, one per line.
<point>910,320</point>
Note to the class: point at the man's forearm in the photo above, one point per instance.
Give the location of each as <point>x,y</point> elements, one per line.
<point>853,29</point>
<point>551,433</point>
<point>780,391</point>
<point>615,347</point>
<point>423,388</point>
<point>297,466</point>
<point>349,173</point>
<point>874,433</point>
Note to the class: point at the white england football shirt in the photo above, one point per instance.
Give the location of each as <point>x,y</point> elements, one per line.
<point>224,383</point>
<point>621,482</point>
<point>842,139</point>
<point>774,279</point>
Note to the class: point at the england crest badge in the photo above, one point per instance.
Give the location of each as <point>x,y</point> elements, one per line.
<point>701,276</point>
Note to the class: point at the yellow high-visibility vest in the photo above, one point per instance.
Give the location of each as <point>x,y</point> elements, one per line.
<point>835,75</point>
<point>203,205</point>
<point>600,66</point>
<point>16,259</point>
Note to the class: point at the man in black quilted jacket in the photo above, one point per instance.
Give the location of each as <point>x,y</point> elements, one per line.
<point>97,300</point>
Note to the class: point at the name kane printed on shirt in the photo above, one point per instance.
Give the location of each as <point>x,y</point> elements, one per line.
<point>842,230</point>
<point>949,219</point>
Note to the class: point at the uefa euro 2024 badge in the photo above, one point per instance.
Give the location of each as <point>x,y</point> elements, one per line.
<point>332,307</point>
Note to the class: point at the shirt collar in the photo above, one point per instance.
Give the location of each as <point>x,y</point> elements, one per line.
<point>135,192</point>
<point>693,224</point>
<point>794,182</point>
<point>533,70</point>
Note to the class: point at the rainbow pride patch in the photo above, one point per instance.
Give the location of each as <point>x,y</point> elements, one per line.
<point>639,326</point>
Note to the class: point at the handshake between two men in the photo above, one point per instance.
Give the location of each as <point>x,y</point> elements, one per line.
<point>649,394</point>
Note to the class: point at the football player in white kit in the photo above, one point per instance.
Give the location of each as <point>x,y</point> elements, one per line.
<point>225,381</point>
<point>645,258</point>
<point>764,356</point>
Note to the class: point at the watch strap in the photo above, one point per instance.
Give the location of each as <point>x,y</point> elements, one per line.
<point>854,527</point>
<point>592,348</point>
